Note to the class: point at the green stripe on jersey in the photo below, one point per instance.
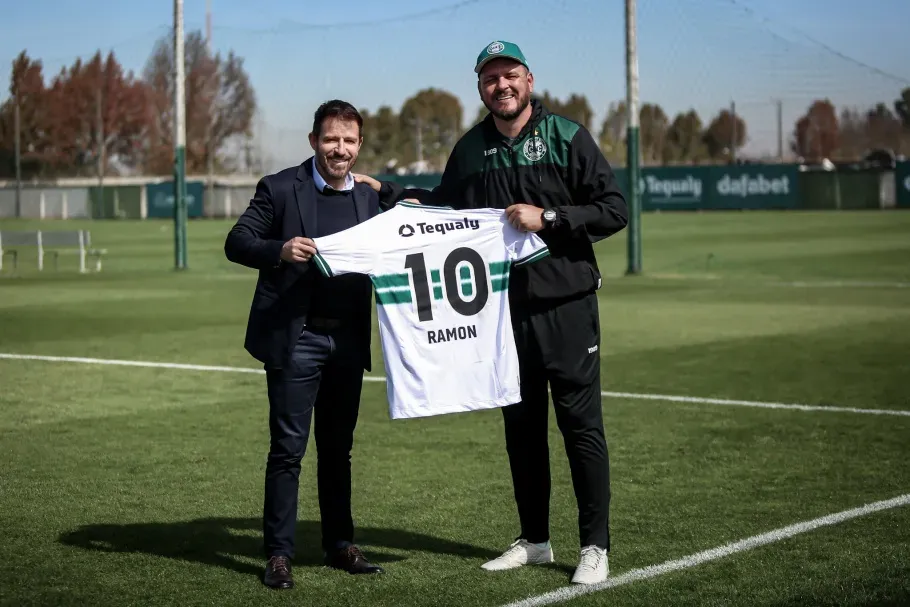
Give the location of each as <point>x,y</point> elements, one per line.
<point>426,207</point>
<point>499,267</point>
<point>384,298</point>
<point>321,265</point>
<point>500,283</point>
<point>386,281</point>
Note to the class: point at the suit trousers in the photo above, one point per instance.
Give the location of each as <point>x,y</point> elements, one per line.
<point>324,373</point>
<point>559,346</point>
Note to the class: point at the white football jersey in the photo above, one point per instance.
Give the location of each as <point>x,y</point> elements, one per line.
<point>441,281</point>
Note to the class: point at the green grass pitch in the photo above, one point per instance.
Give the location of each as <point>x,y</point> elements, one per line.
<point>143,486</point>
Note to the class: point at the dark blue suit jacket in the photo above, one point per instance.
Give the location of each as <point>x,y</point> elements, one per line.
<point>283,207</point>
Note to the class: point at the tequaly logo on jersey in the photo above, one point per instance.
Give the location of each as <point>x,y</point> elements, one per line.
<point>406,230</point>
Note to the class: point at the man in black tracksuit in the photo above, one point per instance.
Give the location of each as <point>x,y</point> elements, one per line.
<point>548,174</point>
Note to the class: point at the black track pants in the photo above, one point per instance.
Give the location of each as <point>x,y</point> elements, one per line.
<point>559,346</point>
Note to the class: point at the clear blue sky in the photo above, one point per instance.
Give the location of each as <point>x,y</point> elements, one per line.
<point>693,53</point>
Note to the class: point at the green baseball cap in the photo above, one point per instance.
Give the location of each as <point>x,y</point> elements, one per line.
<point>497,49</point>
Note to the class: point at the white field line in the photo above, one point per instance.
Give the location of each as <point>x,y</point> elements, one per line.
<point>128,363</point>
<point>797,284</point>
<point>752,403</point>
<point>842,284</point>
<point>570,592</point>
<point>376,378</point>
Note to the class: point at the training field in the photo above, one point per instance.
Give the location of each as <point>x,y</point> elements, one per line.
<point>142,485</point>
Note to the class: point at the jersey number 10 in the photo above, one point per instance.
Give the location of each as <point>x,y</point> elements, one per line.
<point>418,267</point>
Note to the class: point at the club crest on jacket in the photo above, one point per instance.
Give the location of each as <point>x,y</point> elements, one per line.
<point>534,149</point>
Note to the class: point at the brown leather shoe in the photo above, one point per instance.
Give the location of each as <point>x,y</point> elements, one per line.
<point>278,573</point>
<point>351,559</point>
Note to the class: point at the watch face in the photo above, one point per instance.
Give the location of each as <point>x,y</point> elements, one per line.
<point>549,215</point>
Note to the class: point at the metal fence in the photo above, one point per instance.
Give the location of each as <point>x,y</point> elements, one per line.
<point>124,198</point>
<point>46,202</point>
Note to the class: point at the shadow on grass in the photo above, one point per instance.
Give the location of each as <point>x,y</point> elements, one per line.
<point>219,541</point>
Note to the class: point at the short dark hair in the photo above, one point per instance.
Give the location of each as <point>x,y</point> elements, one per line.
<point>336,108</point>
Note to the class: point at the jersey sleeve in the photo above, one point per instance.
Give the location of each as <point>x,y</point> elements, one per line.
<point>524,247</point>
<point>349,251</point>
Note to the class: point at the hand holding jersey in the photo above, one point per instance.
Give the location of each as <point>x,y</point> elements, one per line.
<point>525,217</point>
<point>298,250</point>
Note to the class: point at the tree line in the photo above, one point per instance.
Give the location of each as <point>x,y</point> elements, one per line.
<point>823,133</point>
<point>95,118</point>
<point>428,125</point>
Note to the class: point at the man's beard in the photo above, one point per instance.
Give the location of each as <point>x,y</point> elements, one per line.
<point>337,173</point>
<point>523,101</point>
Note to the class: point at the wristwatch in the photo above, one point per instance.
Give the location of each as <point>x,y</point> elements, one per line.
<point>549,218</point>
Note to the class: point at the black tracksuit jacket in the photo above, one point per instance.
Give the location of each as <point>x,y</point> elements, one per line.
<point>554,163</point>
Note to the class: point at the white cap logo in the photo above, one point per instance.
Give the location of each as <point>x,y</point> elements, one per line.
<point>496,47</point>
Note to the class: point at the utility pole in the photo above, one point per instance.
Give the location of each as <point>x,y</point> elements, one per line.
<point>733,132</point>
<point>208,25</point>
<point>179,142</point>
<point>632,147</point>
<point>209,134</point>
<point>17,128</point>
<point>780,130</point>
<point>99,135</point>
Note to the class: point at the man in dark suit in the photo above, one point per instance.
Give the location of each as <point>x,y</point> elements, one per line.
<point>311,333</point>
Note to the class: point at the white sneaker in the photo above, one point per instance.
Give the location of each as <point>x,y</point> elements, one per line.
<point>593,567</point>
<point>521,553</point>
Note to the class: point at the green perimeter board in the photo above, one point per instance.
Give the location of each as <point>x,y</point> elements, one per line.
<point>902,184</point>
<point>161,199</point>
